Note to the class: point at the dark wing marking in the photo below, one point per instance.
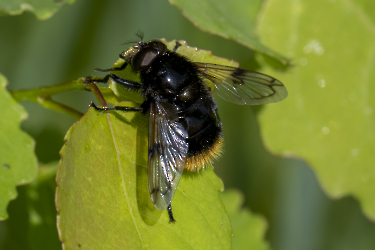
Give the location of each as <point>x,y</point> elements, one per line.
<point>242,86</point>
<point>167,154</point>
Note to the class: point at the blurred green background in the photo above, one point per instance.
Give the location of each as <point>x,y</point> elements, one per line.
<point>91,34</point>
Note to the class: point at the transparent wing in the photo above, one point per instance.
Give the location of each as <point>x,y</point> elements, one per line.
<point>167,154</point>
<point>242,86</point>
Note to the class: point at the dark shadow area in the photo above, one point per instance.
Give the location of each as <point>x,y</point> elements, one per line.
<point>276,64</point>
<point>48,144</point>
<point>32,218</point>
<point>16,227</point>
<point>149,214</point>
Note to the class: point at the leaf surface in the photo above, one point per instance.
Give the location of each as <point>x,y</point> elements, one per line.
<point>230,19</point>
<point>328,118</point>
<point>103,200</point>
<point>18,163</point>
<point>42,9</point>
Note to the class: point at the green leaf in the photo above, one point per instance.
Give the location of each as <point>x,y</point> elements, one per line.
<point>328,118</point>
<point>230,19</point>
<point>103,200</point>
<point>18,163</point>
<point>42,9</point>
<point>248,229</point>
<point>32,216</point>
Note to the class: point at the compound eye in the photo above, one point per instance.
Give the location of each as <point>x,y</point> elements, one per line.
<point>144,58</point>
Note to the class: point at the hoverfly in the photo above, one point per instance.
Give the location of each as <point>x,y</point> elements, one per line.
<point>185,131</point>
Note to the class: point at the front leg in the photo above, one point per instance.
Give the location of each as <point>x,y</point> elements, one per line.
<point>117,79</point>
<point>121,108</point>
<point>113,69</point>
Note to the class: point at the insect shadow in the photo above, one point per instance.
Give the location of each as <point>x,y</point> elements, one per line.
<point>148,212</point>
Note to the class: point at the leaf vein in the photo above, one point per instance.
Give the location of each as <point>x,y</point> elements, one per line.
<point>123,179</point>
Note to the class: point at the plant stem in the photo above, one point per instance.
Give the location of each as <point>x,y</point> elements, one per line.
<point>59,107</point>
<point>43,95</point>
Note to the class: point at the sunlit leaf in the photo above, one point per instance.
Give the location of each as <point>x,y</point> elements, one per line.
<point>328,118</point>
<point>103,200</point>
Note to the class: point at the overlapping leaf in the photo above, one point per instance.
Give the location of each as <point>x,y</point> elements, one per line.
<point>328,118</point>
<point>18,163</point>
<point>32,216</point>
<point>248,229</point>
<point>42,9</point>
<point>230,19</point>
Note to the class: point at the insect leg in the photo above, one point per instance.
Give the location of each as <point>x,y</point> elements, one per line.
<point>113,69</point>
<point>123,82</point>
<point>170,214</point>
<point>116,108</point>
<point>90,80</point>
